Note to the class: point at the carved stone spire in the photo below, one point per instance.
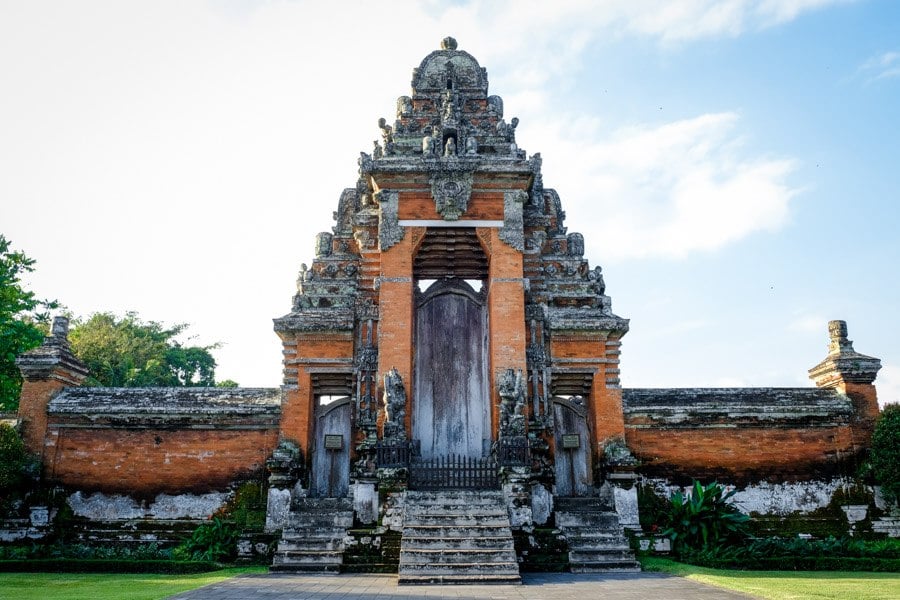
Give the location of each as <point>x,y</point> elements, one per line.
<point>843,364</point>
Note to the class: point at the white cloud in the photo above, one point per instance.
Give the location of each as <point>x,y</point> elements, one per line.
<point>666,190</point>
<point>882,66</point>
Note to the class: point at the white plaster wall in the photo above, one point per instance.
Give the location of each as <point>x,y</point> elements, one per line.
<point>775,499</point>
<point>116,507</point>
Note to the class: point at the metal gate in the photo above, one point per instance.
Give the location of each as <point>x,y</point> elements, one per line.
<point>454,472</point>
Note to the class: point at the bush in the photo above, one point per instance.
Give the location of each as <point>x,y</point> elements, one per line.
<point>215,540</point>
<point>797,554</point>
<point>703,519</point>
<point>885,452</point>
<point>13,458</point>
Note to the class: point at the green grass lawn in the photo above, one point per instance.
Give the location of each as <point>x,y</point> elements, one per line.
<point>92,586</point>
<point>788,585</point>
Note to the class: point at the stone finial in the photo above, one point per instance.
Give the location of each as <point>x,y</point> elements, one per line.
<point>837,331</point>
<point>53,359</point>
<point>843,363</point>
<point>448,43</point>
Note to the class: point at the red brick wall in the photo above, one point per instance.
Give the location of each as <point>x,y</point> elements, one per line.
<point>145,462</point>
<point>742,454</point>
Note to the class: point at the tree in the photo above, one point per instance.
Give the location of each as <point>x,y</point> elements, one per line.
<point>129,352</point>
<point>21,317</point>
<point>884,455</point>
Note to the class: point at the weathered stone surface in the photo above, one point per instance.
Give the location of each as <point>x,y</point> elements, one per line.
<point>118,507</point>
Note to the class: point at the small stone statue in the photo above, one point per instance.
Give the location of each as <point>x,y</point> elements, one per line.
<point>575,244</point>
<point>596,275</point>
<point>387,136</point>
<point>301,277</point>
<point>394,405</point>
<point>511,387</point>
<point>323,244</point>
<point>404,106</point>
<point>512,129</point>
<point>377,152</point>
<point>450,147</point>
<point>471,145</point>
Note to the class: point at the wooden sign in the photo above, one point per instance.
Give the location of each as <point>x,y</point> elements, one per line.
<point>571,441</point>
<point>334,442</point>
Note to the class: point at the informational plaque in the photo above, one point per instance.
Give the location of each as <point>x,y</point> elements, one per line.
<point>334,442</point>
<point>571,440</point>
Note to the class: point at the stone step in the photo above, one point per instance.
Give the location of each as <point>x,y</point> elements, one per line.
<point>586,556</point>
<point>480,579</point>
<point>460,568</point>
<point>581,504</point>
<point>459,543</point>
<point>454,509</point>
<point>457,537</point>
<point>418,556</point>
<point>304,568</point>
<point>625,566</point>
<point>591,520</point>
<point>457,531</point>
<point>299,519</point>
<point>458,520</point>
<point>305,544</point>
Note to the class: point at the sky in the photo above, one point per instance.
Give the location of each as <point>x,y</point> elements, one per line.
<point>733,165</point>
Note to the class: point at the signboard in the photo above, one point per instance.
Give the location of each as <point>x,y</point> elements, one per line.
<point>334,442</point>
<point>571,440</point>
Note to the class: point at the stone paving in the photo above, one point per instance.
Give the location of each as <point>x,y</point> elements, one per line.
<point>543,586</point>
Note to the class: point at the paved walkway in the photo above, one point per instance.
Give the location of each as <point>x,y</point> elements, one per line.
<point>536,586</point>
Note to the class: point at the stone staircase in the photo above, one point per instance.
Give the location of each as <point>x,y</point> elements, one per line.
<point>456,536</point>
<point>313,537</point>
<point>597,542</point>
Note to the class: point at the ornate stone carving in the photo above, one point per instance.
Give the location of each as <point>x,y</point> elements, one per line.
<point>575,244</point>
<point>451,191</point>
<point>596,276</point>
<point>471,146</point>
<point>394,406</point>
<point>323,244</point>
<point>389,230</point>
<point>450,147</point>
<point>513,232</point>
<point>404,106</point>
<point>511,387</point>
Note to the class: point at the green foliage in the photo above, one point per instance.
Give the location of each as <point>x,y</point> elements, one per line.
<point>703,519</point>
<point>21,317</point>
<point>651,508</point>
<point>885,452</point>
<point>248,507</point>
<point>129,352</point>
<point>215,540</point>
<point>13,458</point>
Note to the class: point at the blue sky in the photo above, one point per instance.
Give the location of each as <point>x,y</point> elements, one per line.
<point>732,165</point>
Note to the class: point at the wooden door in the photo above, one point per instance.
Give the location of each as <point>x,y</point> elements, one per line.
<point>330,476</point>
<point>451,394</point>
<point>572,447</point>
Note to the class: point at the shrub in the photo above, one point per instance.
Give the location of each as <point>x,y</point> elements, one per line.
<point>703,519</point>
<point>215,540</point>
<point>885,452</point>
<point>13,458</point>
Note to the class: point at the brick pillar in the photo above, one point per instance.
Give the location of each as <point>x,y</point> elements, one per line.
<point>506,316</point>
<point>852,374</point>
<point>396,305</point>
<point>46,370</point>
